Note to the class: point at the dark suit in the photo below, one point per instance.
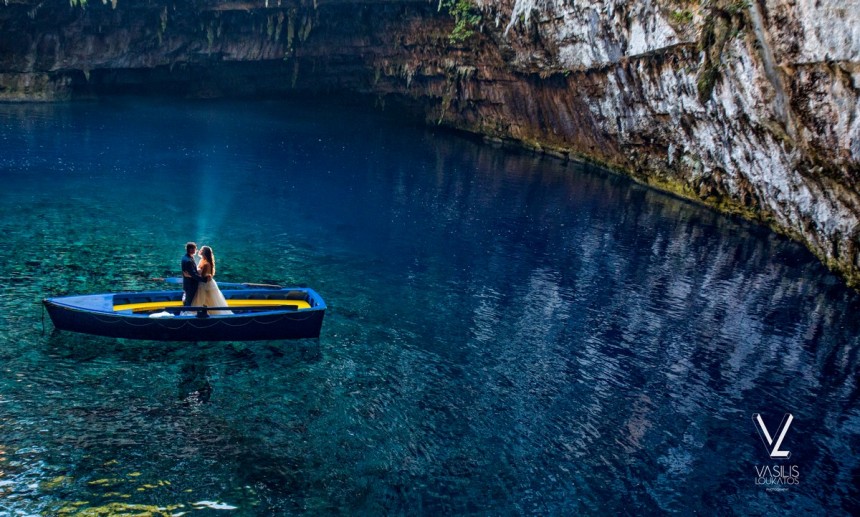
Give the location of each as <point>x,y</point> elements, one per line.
<point>189,285</point>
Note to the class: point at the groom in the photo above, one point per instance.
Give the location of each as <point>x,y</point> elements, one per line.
<point>190,277</point>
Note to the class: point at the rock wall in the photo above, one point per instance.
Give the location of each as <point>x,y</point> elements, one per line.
<point>750,107</point>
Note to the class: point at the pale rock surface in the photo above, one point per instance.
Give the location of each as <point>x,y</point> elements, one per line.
<point>782,123</point>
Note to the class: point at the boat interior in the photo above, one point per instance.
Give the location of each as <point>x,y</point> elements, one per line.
<point>237,301</point>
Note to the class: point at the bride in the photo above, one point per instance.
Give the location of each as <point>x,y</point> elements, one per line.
<point>208,293</point>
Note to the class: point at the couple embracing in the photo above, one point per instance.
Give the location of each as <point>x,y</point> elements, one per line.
<point>198,283</point>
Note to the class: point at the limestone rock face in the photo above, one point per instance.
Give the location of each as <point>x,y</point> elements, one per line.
<point>750,107</point>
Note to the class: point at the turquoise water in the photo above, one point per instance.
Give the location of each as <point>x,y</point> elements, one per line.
<point>506,334</point>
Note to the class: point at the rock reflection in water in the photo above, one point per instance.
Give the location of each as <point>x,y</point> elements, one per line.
<point>505,334</point>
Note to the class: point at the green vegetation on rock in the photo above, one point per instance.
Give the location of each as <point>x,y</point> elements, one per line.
<point>466,18</point>
<point>724,21</point>
<point>682,17</point>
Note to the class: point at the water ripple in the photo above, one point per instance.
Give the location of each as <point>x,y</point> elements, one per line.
<point>505,334</point>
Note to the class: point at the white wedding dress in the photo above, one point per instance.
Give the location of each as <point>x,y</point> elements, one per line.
<point>209,295</point>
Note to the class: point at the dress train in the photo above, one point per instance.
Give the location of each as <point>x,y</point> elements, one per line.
<point>210,295</point>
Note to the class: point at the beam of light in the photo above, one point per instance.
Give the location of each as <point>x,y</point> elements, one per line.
<point>212,197</point>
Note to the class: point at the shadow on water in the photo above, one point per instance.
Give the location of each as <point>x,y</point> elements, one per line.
<point>113,415</point>
<point>243,355</point>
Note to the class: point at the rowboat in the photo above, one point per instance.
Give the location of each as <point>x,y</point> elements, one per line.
<point>254,314</point>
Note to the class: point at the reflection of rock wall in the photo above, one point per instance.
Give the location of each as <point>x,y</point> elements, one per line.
<point>753,109</point>
<point>749,107</point>
<point>653,349</point>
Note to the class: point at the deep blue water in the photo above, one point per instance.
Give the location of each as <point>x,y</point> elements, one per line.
<point>506,334</point>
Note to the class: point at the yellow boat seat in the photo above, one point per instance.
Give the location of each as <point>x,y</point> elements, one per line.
<point>152,306</point>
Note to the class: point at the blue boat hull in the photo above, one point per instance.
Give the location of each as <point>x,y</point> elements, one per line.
<point>94,314</point>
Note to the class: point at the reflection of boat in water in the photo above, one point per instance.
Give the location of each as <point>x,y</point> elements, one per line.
<point>257,314</point>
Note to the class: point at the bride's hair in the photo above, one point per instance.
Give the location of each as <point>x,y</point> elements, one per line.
<point>206,252</point>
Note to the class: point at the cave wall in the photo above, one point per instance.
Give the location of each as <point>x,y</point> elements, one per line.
<point>749,107</point>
